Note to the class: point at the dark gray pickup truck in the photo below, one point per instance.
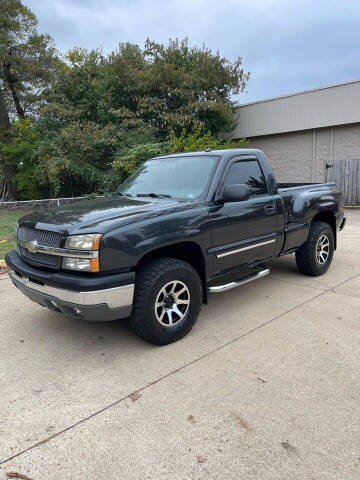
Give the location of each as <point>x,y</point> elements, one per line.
<point>178,228</point>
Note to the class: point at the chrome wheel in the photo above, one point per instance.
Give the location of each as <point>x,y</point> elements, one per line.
<point>172,303</point>
<point>322,249</point>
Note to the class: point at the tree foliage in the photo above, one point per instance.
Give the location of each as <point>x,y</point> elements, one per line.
<point>175,87</point>
<point>27,58</point>
<point>27,62</point>
<point>21,150</point>
<point>184,142</point>
<point>83,123</point>
<point>200,140</point>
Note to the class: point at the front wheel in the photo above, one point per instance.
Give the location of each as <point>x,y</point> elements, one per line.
<point>167,300</point>
<point>314,257</point>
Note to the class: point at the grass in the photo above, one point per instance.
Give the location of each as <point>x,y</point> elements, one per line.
<point>8,220</point>
<point>6,246</point>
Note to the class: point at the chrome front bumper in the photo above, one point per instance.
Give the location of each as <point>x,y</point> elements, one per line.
<point>98,305</point>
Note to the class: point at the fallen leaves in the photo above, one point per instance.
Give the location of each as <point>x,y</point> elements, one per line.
<point>3,267</point>
<point>17,475</point>
<point>261,380</point>
<point>95,339</point>
<point>289,448</point>
<point>241,422</point>
<point>152,383</point>
<point>135,396</point>
<point>191,419</point>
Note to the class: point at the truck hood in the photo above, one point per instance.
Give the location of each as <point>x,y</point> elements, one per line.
<point>103,214</point>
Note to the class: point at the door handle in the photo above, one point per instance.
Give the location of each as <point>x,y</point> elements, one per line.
<point>269,209</point>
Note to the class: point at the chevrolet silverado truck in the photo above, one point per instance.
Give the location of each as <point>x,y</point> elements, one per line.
<point>180,227</point>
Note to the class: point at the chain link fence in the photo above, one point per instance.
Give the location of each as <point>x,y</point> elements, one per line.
<point>10,212</point>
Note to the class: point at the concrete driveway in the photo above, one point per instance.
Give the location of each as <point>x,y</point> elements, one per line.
<point>266,386</point>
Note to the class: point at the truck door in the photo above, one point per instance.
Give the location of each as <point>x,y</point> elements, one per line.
<point>245,232</point>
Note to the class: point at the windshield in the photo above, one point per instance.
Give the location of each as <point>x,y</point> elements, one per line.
<point>179,177</point>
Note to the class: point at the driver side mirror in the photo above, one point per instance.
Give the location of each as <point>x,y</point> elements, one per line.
<point>236,193</point>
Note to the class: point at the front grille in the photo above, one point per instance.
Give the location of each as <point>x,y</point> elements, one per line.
<point>43,237</point>
<point>40,258</point>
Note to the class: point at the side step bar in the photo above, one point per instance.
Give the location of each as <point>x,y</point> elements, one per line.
<point>237,283</point>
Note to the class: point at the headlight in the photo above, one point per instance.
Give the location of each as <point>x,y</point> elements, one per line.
<point>80,264</point>
<point>16,229</point>
<point>89,242</point>
<point>83,242</point>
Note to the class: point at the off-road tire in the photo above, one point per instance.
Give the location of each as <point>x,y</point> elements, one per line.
<point>306,258</point>
<point>150,279</point>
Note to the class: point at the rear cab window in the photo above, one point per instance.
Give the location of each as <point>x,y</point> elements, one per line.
<point>250,173</point>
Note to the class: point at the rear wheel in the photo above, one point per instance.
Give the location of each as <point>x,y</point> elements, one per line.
<point>167,300</point>
<point>314,257</point>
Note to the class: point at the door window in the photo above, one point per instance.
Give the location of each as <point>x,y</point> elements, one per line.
<point>250,173</point>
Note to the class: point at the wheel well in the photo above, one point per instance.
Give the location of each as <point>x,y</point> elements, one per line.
<point>327,217</point>
<point>189,252</point>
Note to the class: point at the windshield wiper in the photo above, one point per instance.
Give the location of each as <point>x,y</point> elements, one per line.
<point>121,194</point>
<point>154,195</point>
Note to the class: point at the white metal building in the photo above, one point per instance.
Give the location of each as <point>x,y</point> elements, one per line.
<point>303,132</point>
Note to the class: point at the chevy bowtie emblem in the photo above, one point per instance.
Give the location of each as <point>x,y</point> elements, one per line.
<point>31,246</point>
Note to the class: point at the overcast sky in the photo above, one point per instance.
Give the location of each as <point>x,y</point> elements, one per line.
<point>287,45</point>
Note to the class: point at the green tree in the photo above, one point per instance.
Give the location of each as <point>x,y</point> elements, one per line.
<point>21,151</point>
<point>27,62</point>
<point>106,114</point>
<point>175,87</point>
<point>7,188</point>
<point>185,142</point>
<point>81,131</point>
<point>200,140</point>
